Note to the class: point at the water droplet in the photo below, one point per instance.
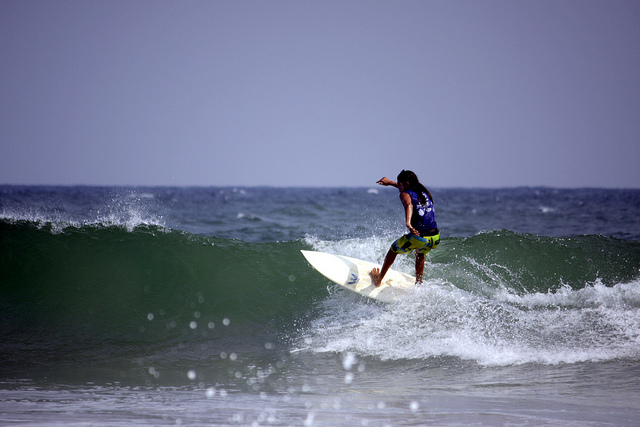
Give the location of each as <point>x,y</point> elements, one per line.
<point>310,418</point>
<point>348,378</point>
<point>349,360</point>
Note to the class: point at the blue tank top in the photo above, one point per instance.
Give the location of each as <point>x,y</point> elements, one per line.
<point>424,215</point>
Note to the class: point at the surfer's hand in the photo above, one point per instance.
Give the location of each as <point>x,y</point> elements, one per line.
<point>385,181</point>
<point>413,230</point>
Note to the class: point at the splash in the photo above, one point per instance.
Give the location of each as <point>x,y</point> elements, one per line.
<point>491,308</point>
<point>125,208</point>
<point>596,323</point>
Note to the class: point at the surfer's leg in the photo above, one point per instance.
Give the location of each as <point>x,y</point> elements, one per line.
<point>426,244</point>
<point>419,266</point>
<point>376,274</point>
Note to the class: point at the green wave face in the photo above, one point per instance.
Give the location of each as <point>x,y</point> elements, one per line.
<point>152,296</point>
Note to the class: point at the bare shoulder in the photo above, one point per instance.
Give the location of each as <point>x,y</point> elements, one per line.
<point>405,198</point>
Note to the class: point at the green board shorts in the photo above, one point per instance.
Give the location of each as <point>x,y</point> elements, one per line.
<point>409,242</point>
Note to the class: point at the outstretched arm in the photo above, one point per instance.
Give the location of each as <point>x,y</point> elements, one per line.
<point>386,182</point>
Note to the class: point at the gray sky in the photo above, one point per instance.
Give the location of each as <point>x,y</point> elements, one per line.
<point>320,93</point>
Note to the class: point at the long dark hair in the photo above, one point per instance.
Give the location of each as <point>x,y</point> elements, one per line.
<point>411,178</point>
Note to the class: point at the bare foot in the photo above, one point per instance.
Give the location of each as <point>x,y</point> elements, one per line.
<point>375,277</point>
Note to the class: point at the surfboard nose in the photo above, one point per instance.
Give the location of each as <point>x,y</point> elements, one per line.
<point>353,274</point>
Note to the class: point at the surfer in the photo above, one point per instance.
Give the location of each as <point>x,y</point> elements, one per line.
<point>420,220</point>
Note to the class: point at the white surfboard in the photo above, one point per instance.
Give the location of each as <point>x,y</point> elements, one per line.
<point>353,274</point>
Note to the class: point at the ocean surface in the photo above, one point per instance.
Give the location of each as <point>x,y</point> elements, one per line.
<point>194,306</point>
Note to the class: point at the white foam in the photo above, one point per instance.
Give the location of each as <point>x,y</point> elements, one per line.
<point>595,323</point>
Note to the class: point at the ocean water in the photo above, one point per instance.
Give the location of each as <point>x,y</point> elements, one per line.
<point>194,306</point>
